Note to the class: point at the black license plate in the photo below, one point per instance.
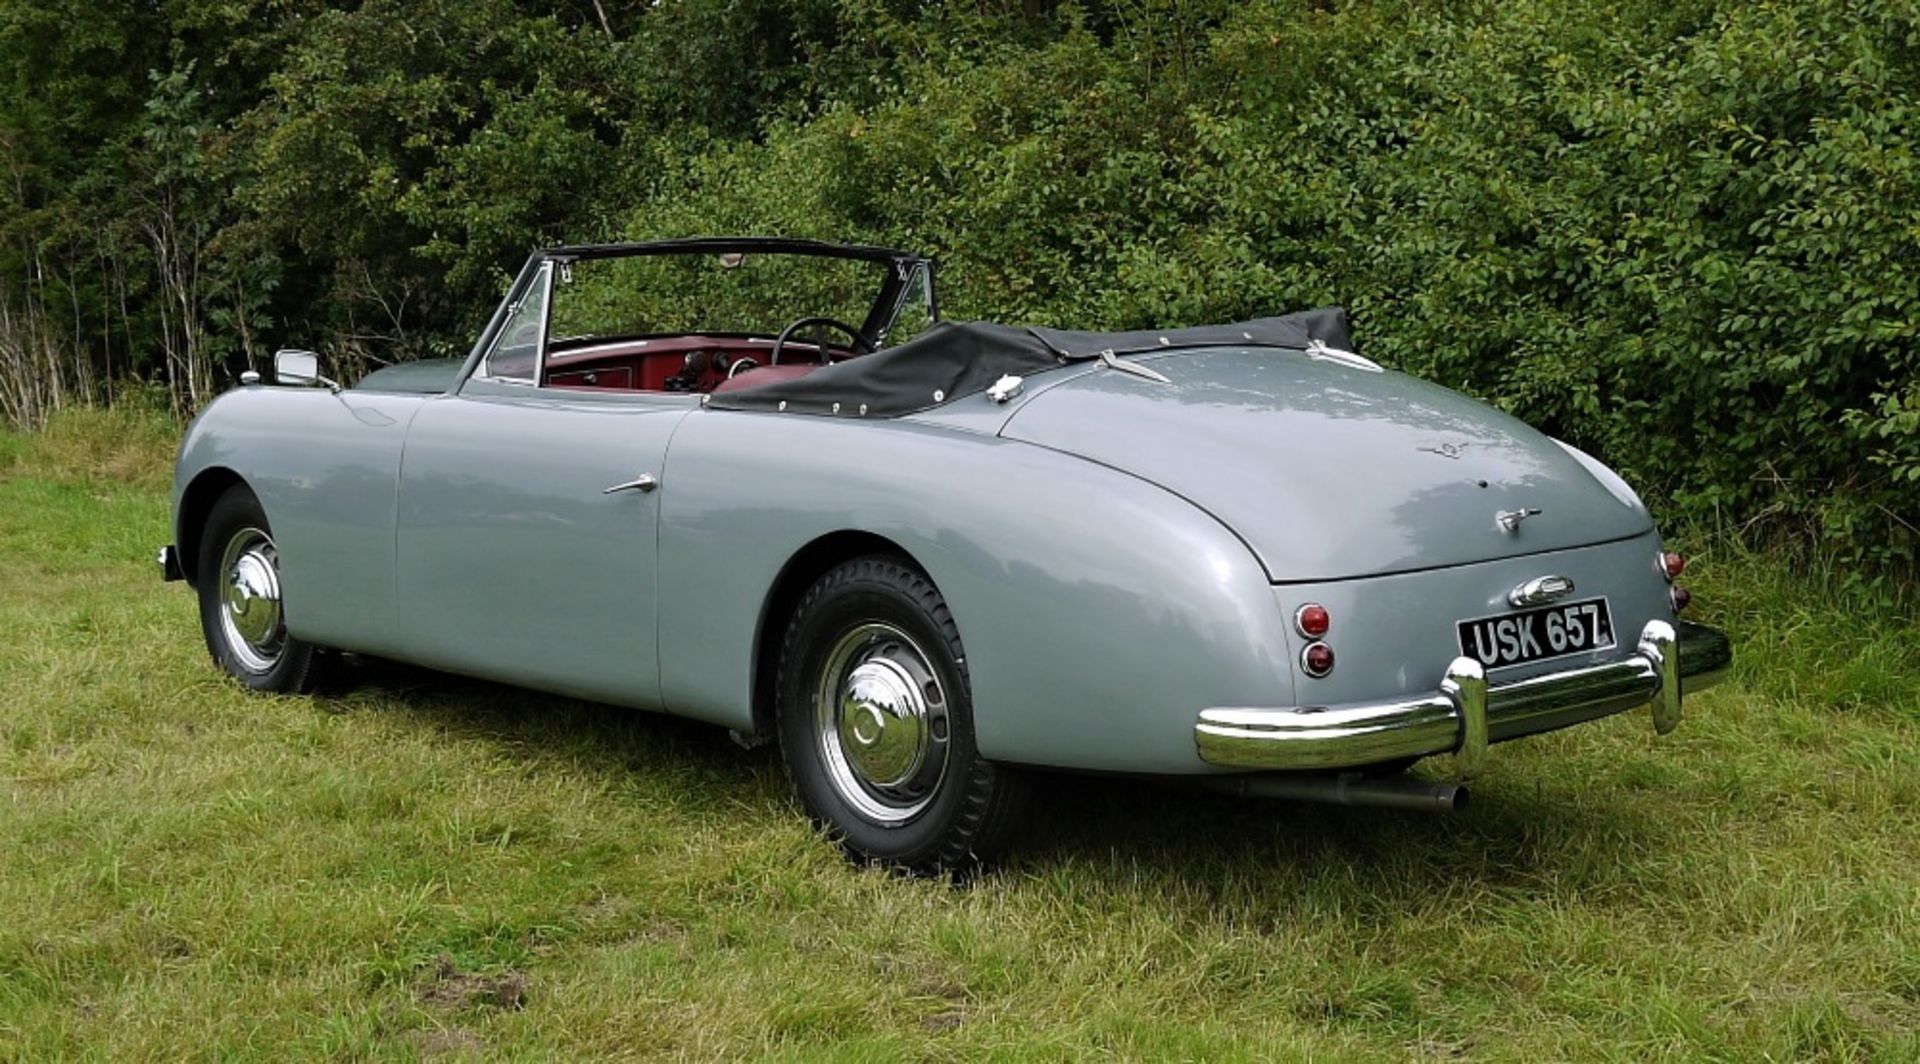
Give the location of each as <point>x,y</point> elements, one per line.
<point>1538,634</point>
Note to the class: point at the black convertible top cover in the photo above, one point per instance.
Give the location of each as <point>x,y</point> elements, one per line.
<point>956,359</point>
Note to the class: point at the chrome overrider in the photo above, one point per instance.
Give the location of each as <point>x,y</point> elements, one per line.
<point>1466,712</point>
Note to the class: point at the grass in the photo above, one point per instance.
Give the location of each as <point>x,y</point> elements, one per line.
<point>423,866</point>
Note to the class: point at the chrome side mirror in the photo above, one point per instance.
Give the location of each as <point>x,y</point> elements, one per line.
<point>296,367</point>
<point>292,366</point>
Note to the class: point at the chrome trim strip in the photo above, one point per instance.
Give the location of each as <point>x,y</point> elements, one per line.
<point>1465,714</point>
<point>611,345</point>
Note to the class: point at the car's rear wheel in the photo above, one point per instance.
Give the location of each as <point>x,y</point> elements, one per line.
<point>876,723</point>
<point>242,612</point>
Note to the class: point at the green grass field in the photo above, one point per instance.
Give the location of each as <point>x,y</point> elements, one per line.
<point>425,866</point>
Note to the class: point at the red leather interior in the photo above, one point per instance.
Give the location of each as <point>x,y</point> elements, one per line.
<point>754,378</point>
<point>693,363</point>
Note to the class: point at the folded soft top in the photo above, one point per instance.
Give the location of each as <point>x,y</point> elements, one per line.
<point>956,359</point>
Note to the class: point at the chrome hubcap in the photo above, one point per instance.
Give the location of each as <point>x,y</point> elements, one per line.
<point>250,600</point>
<point>881,718</point>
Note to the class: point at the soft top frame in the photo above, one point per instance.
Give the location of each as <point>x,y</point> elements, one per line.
<point>766,245</point>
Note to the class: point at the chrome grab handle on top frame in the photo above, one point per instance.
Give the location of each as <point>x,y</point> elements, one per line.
<point>643,483</point>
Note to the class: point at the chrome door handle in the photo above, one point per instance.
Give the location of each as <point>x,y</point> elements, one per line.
<point>643,483</point>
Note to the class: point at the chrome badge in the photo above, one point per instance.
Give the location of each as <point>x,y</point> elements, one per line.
<point>1541,590</point>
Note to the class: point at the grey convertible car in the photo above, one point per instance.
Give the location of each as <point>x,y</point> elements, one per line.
<point>757,482</point>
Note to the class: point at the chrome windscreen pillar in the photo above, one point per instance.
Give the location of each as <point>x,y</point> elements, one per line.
<point>1465,685</point>
<point>1658,645</point>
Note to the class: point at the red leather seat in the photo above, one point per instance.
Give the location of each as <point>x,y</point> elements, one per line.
<point>755,377</point>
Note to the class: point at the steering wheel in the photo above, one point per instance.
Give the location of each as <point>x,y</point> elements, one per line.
<point>860,342</point>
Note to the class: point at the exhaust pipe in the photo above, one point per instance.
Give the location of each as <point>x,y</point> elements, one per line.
<point>1350,788</point>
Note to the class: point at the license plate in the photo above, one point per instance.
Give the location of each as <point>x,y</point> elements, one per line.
<point>1538,634</point>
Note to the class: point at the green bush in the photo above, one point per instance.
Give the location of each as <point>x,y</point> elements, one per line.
<point>1683,235</point>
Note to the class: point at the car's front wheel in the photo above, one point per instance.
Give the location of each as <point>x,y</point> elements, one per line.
<point>242,611</point>
<point>876,723</point>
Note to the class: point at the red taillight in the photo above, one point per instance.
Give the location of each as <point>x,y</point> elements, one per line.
<point>1672,565</point>
<point>1681,597</point>
<point>1313,620</point>
<point>1317,659</point>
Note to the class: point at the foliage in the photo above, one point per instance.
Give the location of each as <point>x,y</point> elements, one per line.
<point>690,293</point>
<point>1684,235</point>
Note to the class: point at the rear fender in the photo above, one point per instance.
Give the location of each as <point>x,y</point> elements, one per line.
<point>1099,613</point>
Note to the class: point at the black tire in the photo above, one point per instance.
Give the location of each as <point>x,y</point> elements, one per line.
<point>276,661</point>
<point>897,625</point>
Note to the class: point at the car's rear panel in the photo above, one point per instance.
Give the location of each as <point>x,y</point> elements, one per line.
<point>1395,634</point>
<point>1401,507</point>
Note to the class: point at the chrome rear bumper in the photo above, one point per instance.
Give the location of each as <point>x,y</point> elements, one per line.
<point>1467,713</point>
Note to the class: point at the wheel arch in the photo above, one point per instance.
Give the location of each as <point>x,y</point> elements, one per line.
<point>807,565</point>
<point>191,520</point>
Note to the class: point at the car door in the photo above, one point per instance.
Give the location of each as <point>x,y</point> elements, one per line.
<point>526,528</point>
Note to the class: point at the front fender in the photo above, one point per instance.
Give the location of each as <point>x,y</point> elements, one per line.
<point>1099,612</point>
<point>324,467</point>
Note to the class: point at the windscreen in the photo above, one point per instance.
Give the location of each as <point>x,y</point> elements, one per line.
<point>756,294</point>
